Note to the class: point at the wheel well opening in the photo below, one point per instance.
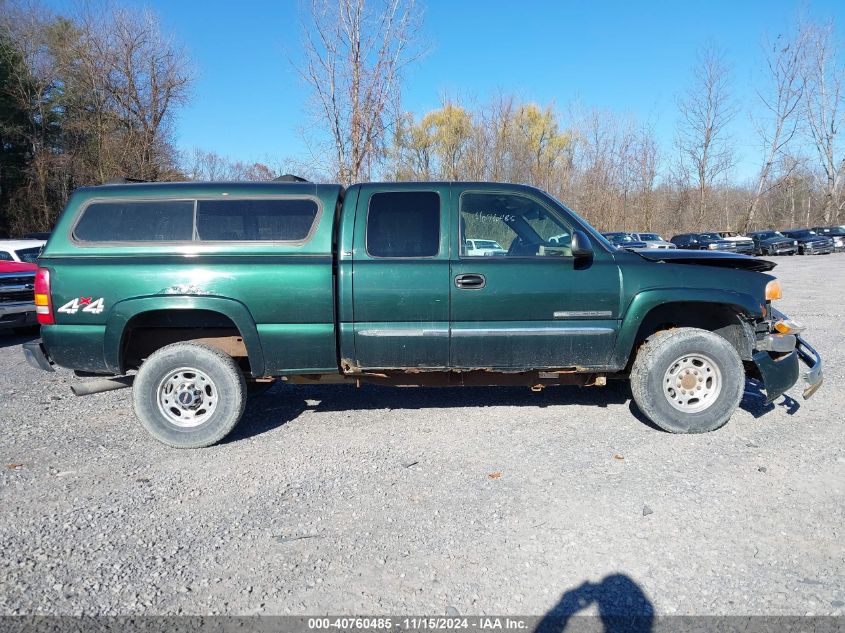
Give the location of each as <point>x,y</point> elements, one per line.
<point>718,318</point>
<point>150,331</point>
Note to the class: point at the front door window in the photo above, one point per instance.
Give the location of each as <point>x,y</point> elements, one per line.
<point>508,225</point>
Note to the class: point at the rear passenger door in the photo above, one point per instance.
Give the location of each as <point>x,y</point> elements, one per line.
<point>400,279</point>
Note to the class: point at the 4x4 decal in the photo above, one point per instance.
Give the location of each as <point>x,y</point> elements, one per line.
<point>86,304</point>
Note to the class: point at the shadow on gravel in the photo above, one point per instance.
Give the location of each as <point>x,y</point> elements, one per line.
<point>622,607</point>
<point>283,403</point>
<point>10,339</point>
<point>754,401</point>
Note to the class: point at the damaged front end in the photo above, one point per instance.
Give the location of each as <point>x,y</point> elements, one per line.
<point>779,353</point>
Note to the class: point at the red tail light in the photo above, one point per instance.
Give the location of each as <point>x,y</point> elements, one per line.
<point>43,300</point>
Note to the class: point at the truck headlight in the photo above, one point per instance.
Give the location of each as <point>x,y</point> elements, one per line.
<point>712,247</point>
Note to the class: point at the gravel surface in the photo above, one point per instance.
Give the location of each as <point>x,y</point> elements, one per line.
<point>383,500</point>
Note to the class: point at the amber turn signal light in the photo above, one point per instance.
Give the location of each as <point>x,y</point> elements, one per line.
<point>788,326</point>
<point>773,290</point>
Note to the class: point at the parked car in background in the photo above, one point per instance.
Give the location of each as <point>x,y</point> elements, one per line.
<point>17,294</point>
<point>744,245</point>
<point>810,242</point>
<point>703,242</point>
<point>20,250</point>
<point>837,233</point>
<point>484,247</point>
<point>773,243</point>
<point>652,240</point>
<point>624,240</point>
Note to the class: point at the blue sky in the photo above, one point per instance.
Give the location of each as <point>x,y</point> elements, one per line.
<point>630,57</point>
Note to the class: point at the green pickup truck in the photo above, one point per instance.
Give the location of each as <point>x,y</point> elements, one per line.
<point>195,292</point>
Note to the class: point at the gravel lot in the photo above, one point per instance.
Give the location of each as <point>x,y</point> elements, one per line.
<point>380,500</point>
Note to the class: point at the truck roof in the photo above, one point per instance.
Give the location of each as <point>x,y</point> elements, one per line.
<point>192,188</point>
<point>271,187</point>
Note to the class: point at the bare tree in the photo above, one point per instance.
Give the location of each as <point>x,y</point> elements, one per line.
<point>782,103</point>
<point>356,51</point>
<point>706,111</point>
<point>644,157</point>
<point>133,77</point>
<point>824,75</point>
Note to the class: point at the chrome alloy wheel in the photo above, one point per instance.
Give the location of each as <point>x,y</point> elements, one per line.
<point>692,383</point>
<point>187,397</point>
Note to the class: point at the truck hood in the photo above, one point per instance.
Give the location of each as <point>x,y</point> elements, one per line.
<point>707,258</point>
<point>17,267</point>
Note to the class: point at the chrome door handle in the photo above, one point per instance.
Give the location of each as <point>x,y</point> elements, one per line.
<point>470,281</point>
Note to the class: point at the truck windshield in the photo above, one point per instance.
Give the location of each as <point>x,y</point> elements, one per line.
<point>584,224</point>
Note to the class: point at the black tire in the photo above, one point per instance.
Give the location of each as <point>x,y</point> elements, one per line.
<point>217,380</point>
<point>671,349</point>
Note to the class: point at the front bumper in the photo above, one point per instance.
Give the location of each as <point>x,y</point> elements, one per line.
<point>779,357</point>
<point>811,358</point>
<point>17,314</point>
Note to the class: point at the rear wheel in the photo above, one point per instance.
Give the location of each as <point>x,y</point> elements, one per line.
<point>687,380</point>
<point>189,395</point>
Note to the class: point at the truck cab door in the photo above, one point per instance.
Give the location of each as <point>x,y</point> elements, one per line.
<point>400,277</point>
<point>530,304</point>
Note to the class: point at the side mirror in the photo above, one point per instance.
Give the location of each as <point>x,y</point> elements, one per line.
<point>580,244</point>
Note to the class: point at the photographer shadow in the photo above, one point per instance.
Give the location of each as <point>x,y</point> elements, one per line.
<point>622,607</point>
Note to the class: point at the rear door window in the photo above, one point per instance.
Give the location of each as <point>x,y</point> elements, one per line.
<point>141,221</point>
<point>288,220</point>
<point>404,224</point>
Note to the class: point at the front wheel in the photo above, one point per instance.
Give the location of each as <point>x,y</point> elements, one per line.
<point>687,380</point>
<point>189,395</point>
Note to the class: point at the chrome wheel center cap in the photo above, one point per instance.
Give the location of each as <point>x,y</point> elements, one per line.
<point>189,396</point>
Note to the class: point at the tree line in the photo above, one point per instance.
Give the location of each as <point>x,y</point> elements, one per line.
<point>93,97</point>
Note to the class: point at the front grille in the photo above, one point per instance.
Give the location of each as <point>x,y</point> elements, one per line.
<point>16,280</point>
<point>819,245</point>
<point>17,296</point>
<point>15,288</point>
